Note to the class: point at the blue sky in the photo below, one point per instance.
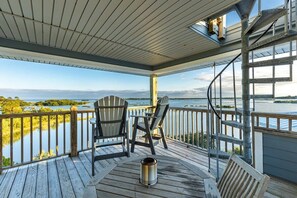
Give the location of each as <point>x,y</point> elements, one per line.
<point>233,18</point>
<point>28,75</point>
<point>24,75</point>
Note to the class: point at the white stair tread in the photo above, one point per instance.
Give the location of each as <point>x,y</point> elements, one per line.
<point>270,80</point>
<point>222,154</point>
<point>228,138</point>
<point>265,17</point>
<point>233,123</point>
<point>275,40</point>
<point>262,96</point>
<point>274,62</point>
<point>240,110</point>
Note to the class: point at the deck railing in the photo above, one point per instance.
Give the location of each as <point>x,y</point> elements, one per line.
<point>189,125</point>
<point>281,125</point>
<point>275,123</point>
<point>30,137</point>
<point>49,126</point>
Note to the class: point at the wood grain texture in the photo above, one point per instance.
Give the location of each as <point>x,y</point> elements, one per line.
<point>53,186</point>
<point>175,179</point>
<point>39,174</point>
<point>66,186</point>
<point>253,185</point>
<point>42,180</point>
<point>20,178</point>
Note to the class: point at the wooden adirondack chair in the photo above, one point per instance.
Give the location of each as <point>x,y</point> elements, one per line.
<point>150,123</point>
<point>110,124</point>
<point>239,179</point>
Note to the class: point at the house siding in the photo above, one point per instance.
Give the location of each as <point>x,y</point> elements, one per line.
<point>280,157</point>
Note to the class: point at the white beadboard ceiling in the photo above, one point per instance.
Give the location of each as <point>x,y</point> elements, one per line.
<point>145,33</point>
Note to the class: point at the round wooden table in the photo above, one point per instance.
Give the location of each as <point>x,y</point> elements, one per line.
<point>176,178</point>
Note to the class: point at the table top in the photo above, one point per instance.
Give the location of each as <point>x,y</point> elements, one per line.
<point>176,178</point>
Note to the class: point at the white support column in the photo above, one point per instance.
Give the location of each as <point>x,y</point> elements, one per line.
<point>258,151</point>
<point>153,89</point>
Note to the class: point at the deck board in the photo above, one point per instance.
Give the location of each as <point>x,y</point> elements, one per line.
<point>66,186</point>
<point>42,183</point>
<point>2,177</point>
<point>18,184</point>
<point>67,177</point>
<point>30,184</point>
<point>82,172</point>
<point>75,179</point>
<point>86,163</point>
<point>54,189</point>
<point>7,182</point>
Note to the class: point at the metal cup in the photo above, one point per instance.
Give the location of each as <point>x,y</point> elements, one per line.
<point>148,171</point>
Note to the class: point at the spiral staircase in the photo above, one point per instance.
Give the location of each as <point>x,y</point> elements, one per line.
<point>266,19</point>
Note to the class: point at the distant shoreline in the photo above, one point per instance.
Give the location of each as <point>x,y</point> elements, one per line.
<point>286,101</point>
<point>229,98</point>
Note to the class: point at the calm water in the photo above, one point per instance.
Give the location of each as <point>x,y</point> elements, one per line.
<point>261,106</point>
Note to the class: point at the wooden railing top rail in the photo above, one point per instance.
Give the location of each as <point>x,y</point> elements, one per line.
<point>188,109</point>
<point>20,115</point>
<point>141,107</point>
<point>129,108</point>
<point>275,115</point>
<point>201,110</point>
<point>260,114</point>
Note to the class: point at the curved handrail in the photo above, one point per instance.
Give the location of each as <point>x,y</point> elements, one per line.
<point>219,74</point>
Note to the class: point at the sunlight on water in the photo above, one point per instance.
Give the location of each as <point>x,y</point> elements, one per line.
<point>261,106</point>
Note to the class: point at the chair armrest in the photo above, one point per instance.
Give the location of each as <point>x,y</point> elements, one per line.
<point>142,116</point>
<point>149,114</point>
<point>211,189</point>
<point>93,121</point>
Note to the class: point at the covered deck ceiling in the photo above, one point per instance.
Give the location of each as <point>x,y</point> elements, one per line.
<point>133,36</point>
<point>140,37</point>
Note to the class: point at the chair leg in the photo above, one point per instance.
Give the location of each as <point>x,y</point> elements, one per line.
<point>134,135</point>
<point>163,138</point>
<point>149,136</point>
<point>128,149</point>
<point>93,152</point>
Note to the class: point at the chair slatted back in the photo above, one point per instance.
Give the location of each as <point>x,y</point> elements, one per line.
<point>242,180</point>
<point>160,112</point>
<point>110,114</point>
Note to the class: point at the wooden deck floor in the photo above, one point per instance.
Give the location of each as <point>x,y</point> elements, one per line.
<point>67,177</point>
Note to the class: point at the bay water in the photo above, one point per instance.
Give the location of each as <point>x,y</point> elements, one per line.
<point>261,106</point>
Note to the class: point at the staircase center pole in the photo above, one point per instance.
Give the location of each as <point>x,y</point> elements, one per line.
<point>246,92</point>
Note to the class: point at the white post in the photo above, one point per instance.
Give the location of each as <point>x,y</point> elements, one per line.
<point>153,89</point>
<point>258,151</point>
<point>154,92</point>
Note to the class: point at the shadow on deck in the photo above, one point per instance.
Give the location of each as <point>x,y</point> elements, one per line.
<point>67,177</point>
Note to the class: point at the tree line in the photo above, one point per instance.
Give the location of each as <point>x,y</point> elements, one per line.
<point>16,105</point>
